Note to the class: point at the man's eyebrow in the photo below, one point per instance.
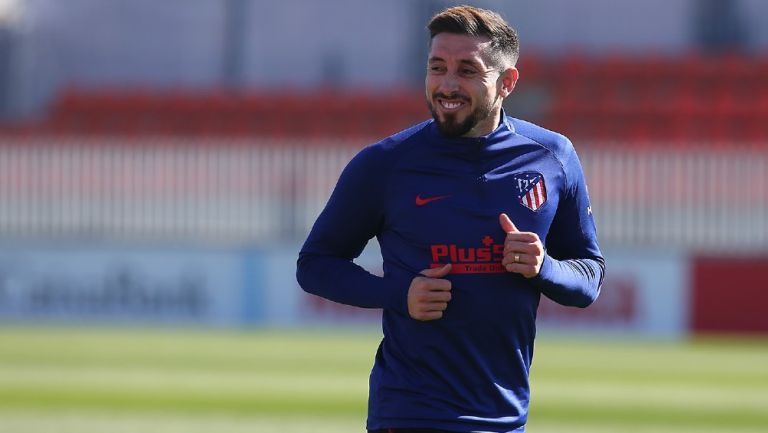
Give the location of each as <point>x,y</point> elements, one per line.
<point>473,63</point>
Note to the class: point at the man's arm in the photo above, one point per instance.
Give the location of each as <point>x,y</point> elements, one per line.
<point>353,215</point>
<point>571,270</point>
<point>572,282</point>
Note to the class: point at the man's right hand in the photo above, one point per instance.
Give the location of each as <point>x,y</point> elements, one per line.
<point>428,296</point>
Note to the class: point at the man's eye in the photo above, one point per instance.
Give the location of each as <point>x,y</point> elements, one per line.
<point>468,71</point>
<point>436,69</point>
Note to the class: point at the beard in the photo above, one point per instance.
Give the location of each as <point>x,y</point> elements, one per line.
<point>450,126</point>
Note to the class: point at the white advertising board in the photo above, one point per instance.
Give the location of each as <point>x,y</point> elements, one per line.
<point>114,284</point>
<point>644,291</point>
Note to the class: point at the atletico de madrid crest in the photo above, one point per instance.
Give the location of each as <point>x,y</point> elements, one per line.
<point>531,189</point>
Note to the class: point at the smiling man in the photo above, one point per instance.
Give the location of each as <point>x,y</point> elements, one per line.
<point>477,214</point>
<point>466,84</point>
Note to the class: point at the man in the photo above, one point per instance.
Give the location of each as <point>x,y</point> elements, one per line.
<point>477,214</point>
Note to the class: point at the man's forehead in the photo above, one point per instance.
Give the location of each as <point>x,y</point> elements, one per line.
<point>462,47</point>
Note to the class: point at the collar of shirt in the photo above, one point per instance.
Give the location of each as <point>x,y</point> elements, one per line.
<point>501,139</point>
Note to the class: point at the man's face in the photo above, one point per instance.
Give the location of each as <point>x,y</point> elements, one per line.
<point>464,89</point>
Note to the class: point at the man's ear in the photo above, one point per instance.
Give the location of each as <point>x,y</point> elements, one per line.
<point>507,81</point>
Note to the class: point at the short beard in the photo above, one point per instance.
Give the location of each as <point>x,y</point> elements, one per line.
<point>450,128</point>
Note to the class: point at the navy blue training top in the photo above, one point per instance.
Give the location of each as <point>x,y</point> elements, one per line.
<point>431,200</point>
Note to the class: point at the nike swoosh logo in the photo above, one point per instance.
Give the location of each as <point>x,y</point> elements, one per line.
<point>422,201</point>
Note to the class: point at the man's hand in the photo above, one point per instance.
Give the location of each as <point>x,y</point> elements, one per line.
<point>523,251</point>
<point>428,296</point>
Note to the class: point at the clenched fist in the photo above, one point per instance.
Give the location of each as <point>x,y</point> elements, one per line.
<point>523,251</point>
<point>429,294</point>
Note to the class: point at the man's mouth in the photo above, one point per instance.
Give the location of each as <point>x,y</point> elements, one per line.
<point>451,104</point>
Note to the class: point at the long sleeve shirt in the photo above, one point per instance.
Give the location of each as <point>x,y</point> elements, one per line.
<point>431,200</point>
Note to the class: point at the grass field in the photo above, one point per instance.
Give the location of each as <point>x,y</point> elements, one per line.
<point>97,380</point>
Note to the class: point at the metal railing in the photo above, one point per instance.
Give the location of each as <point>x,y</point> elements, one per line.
<point>257,191</point>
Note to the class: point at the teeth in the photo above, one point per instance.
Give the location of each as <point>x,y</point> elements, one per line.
<point>451,105</point>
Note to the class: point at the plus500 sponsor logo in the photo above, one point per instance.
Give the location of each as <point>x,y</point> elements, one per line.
<point>470,260</point>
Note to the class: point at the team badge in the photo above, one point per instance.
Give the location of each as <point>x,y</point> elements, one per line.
<point>531,189</point>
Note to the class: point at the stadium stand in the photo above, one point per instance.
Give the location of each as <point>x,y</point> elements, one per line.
<point>272,113</point>
<point>683,100</point>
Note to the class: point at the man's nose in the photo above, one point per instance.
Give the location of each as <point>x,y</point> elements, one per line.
<point>449,84</point>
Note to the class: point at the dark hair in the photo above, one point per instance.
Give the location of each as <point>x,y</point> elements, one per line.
<point>472,21</point>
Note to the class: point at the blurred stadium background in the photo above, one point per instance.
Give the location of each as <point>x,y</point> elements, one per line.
<point>161,163</point>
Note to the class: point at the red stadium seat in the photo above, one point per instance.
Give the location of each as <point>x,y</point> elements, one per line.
<point>615,97</point>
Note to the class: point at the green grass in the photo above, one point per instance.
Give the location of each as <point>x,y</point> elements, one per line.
<point>128,380</point>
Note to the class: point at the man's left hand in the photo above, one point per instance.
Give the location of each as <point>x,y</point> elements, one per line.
<point>523,251</point>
